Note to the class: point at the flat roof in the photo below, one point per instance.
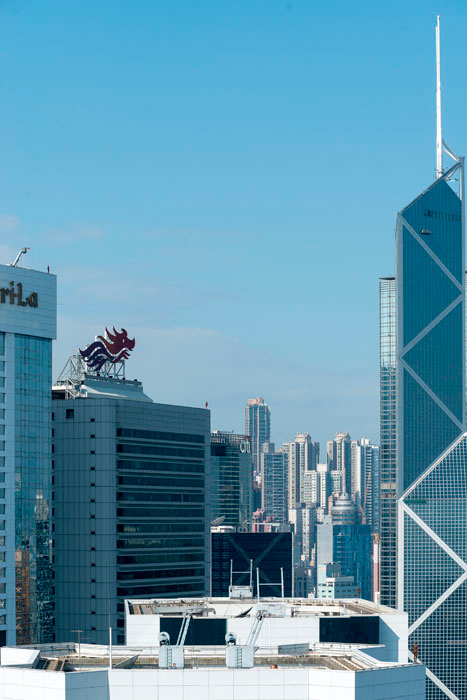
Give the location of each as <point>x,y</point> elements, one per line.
<point>232,607</point>
<point>68,657</point>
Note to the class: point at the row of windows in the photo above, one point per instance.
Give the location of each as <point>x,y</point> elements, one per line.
<point>156,513</point>
<point>158,573</point>
<point>158,466</point>
<point>442,215</point>
<point>195,587</point>
<point>154,528</point>
<point>132,448</point>
<point>163,497</point>
<point>160,558</point>
<point>148,542</point>
<point>165,480</point>
<point>158,435</point>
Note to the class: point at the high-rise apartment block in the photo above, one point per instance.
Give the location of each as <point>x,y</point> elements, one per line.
<point>339,458</point>
<point>28,312</point>
<point>258,428</point>
<point>303,455</point>
<point>131,499</point>
<point>231,483</point>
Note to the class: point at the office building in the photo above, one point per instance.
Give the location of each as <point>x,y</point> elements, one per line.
<point>430,419</point>
<point>365,481</point>
<point>131,498</point>
<point>300,649</point>
<point>341,539</point>
<point>258,428</point>
<point>28,312</point>
<point>339,458</point>
<point>388,463</point>
<point>231,484</point>
<point>269,552</point>
<point>274,471</point>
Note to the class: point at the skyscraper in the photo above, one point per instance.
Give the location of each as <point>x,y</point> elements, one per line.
<point>258,428</point>
<point>303,456</point>
<point>388,467</point>
<point>231,484</point>
<point>341,539</point>
<point>28,313</point>
<point>431,451</point>
<point>365,480</point>
<point>131,498</point>
<point>274,482</point>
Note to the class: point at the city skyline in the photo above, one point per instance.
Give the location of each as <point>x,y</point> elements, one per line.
<point>163,200</point>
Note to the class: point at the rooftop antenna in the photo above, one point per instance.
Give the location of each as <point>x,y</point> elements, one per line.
<point>439,133</point>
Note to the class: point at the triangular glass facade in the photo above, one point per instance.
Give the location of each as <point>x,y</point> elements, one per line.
<point>431,443</point>
<point>424,359</point>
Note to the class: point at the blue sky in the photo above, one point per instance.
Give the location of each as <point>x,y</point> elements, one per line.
<point>222,179</point>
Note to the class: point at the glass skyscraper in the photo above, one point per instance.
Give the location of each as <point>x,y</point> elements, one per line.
<point>431,446</point>
<point>231,484</point>
<point>27,326</point>
<point>388,473</point>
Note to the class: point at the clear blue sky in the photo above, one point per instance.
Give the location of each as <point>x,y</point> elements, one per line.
<point>222,178</point>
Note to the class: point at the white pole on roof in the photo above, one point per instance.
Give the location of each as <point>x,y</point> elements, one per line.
<point>439,133</point>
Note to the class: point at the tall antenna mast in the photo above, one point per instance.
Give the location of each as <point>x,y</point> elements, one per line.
<point>439,133</point>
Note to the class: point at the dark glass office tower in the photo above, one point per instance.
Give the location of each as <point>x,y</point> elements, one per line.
<point>431,443</point>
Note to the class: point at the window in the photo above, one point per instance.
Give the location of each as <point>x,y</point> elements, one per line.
<point>70,413</point>
<point>93,436</point>
<point>92,420</point>
<point>93,452</point>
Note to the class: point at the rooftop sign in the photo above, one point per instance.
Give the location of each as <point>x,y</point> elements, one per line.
<point>9,294</point>
<point>114,348</point>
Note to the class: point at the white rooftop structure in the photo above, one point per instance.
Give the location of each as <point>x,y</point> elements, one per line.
<point>78,672</point>
<point>381,631</point>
